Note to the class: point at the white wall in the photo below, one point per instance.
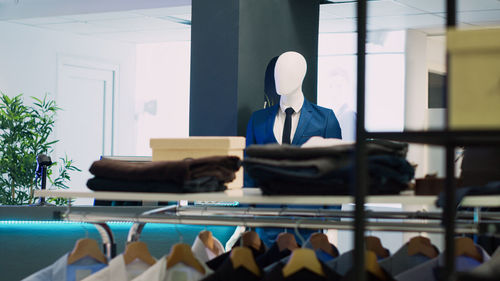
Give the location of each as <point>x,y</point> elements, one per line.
<point>28,64</point>
<point>416,94</point>
<point>162,92</point>
<point>385,72</point>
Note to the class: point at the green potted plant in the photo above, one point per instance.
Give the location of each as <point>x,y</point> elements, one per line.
<point>25,132</point>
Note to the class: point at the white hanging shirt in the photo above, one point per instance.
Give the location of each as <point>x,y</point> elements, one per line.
<point>204,254</point>
<point>279,121</point>
<point>118,271</point>
<point>178,272</point>
<point>60,270</point>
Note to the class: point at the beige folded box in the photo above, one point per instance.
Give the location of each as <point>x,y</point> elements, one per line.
<point>168,149</point>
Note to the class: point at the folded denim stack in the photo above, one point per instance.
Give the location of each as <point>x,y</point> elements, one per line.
<point>189,175</point>
<point>281,170</point>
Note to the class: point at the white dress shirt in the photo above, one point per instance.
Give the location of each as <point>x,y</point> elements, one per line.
<point>204,254</point>
<point>279,121</point>
<point>491,267</point>
<point>118,271</point>
<point>61,271</point>
<point>178,272</point>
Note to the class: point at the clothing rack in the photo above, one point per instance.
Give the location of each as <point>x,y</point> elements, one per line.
<point>467,222</point>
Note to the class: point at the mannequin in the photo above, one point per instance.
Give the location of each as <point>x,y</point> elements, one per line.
<point>289,74</point>
<point>267,125</point>
<point>308,120</point>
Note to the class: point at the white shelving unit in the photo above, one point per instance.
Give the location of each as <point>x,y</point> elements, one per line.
<point>254,196</point>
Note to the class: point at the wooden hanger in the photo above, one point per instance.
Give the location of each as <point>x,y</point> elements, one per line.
<point>371,265</point>
<point>303,259</point>
<point>208,240</point>
<point>423,246</point>
<point>181,253</point>
<point>286,241</point>
<point>86,247</point>
<point>138,250</point>
<point>320,241</point>
<point>464,246</point>
<point>242,256</point>
<point>251,239</point>
<point>373,244</point>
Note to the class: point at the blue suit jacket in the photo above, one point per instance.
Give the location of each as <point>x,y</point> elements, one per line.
<point>314,121</point>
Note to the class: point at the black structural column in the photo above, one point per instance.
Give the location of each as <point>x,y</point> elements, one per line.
<point>232,43</point>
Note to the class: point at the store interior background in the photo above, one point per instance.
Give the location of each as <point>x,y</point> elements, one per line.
<point>127,65</point>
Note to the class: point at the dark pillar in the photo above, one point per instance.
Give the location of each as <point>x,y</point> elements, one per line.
<point>232,43</point>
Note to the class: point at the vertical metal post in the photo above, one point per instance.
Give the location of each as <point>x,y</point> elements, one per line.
<point>44,183</point>
<point>449,214</point>
<point>449,211</point>
<point>361,169</point>
<point>451,13</point>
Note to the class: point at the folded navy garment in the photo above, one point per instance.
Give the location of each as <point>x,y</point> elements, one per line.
<point>388,174</point>
<point>339,152</point>
<point>204,184</point>
<point>490,188</point>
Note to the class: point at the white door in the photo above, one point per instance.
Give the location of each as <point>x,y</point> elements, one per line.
<point>84,126</point>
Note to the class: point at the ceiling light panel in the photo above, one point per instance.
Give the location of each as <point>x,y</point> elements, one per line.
<point>169,11</point>
<point>480,17</point>
<point>45,20</point>
<point>141,23</point>
<point>78,27</point>
<point>404,22</point>
<point>103,16</point>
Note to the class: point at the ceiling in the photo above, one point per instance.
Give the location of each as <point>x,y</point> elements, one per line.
<point>173,23</point>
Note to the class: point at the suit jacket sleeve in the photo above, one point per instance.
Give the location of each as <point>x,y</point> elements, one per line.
<point>332,127</point>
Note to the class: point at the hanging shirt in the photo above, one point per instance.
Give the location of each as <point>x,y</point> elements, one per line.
<point>178,272</point>
<point>401,261</point>
<point>320,254</point>
<point>272,255</point>
<point>61,271</point>
<point>489,270</point>
<point>226,272</point>
<point>343,263</point>
<point>118,271</point>
<point>427,271</point>
<point>276,274</point>
<point>204,254</point>
<point>279,121</point>
<point>351,276</point>
<point>215,263</point>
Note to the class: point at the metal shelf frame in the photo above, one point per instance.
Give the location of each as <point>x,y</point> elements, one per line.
<point>447,138</point>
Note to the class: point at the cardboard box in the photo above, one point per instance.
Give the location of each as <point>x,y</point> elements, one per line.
<point>168,149</point>
<point>474,79</point>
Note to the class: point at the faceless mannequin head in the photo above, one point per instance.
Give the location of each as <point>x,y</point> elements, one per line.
<point>289,73</point>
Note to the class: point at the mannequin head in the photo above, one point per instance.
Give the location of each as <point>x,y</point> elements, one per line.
<point>289,73</point>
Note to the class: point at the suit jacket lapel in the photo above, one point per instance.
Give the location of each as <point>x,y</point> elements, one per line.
<point>305,116</point>
<point>270,123</point>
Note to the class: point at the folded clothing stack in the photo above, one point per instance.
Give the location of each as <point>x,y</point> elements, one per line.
<point>285,169</point>
<point>189,175</point>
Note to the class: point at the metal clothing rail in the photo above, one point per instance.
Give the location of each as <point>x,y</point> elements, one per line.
<point>265,221</point>
<point>245,212</point>
<point>467,222</point>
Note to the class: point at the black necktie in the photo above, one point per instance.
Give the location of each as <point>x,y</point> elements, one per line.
<point>287,128</point>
